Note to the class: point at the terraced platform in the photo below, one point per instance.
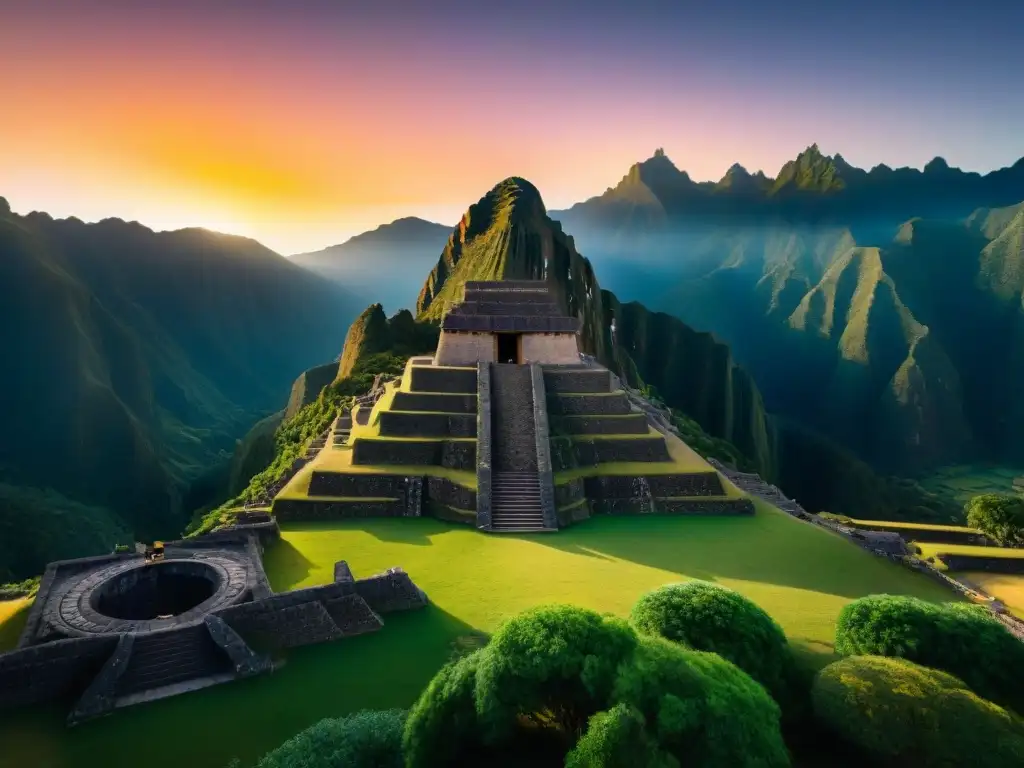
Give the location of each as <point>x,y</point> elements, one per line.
<point>608,459</point>
<point>412,453</point>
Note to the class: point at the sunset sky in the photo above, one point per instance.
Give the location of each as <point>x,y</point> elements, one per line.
<point>302,123</point>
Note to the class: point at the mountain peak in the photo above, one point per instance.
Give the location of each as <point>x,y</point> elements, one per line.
<point>5,207</point>
<point>813,171</point>
<point>936,165</point>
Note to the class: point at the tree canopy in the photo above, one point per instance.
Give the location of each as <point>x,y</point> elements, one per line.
<point>999,517</point>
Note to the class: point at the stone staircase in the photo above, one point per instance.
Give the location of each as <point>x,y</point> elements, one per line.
<point>515,482</point>
<point>515,502</point>
<point>169,658</point>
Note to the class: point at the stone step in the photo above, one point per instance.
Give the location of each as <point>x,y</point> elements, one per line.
<point>175,656</point>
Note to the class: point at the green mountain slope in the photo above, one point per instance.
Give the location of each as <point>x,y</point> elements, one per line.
<point>135,359</point>
<point>508,235</point>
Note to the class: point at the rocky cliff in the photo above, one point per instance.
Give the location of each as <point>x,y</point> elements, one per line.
<point>508,235</point>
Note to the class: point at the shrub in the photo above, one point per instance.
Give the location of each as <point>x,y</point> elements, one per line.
<point>897,710</point>
<point>442,724</point>
<point>363,740</point>
<point>959,638</point>
<point>698,708</point>
<point>554,666</point>
<point>1001,517</point>
<point>708,617</point>
<point>618,738</point>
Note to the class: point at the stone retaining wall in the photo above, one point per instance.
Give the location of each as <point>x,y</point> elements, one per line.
<point>454,454</point>
<point>434,402</point>
<point>484,447</point>
<point>577,380</point>
<point>444,491</point>
<point>445,380</point>
<point>982,563</point>
<point>567,453</point>
<point>672,506</point>
<point>390,591</point>
<point>570,493</point>
<point>402,424</point>
<point>296,510</point>
<point>357,484</point>
<point>588,405</point>
<point>55,670</point>
<point>632,424</point>
<point>625,487</point>
<point>571,514</point>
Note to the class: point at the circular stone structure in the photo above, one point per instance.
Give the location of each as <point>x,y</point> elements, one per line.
<point>136,596</point>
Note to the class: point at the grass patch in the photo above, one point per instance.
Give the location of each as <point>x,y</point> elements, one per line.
<point>1007,587</point>
<point>13,615</point>
<point>800,574</point>
<point>934,549</point>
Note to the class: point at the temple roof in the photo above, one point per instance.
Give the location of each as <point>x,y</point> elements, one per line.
<point>515,306</point>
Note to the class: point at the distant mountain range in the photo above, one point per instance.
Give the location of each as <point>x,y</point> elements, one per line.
<point>384,265</point>
<point>861,301</point>
<point>866,304</point>
<point>133,362</point>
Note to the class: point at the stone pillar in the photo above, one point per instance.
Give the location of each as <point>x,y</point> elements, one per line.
<point>545,475</point>
<point>483,446</point>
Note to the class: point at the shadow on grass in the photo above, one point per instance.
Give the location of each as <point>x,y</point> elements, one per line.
<point>416,531</point>
<point>248,718</point>
<point>768,548</point>
<point>287,563</point>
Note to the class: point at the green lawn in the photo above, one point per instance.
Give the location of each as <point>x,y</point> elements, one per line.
<point>802,575</point>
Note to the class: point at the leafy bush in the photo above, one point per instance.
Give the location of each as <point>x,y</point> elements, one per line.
<point>998,516</point>
<point>709,617</point>
<point>697,708</point>
<point>962,639</point>
<point>553,666</point>
<point>442,724</point>
<point>364,740</point>
<point>609,698</point>
<point>894,709</point>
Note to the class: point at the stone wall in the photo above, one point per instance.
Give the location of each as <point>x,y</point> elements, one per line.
<point>390,591</point>
<point>577,380</point>
<point>567,453</point>
<point>632,424</point>
<point>400,424</point>
<point>296,510</point>
<point>574,513</point>
<point>55,670</point>
<point>357,484</point>
<point>434,402</point>
<point>444,491</point>
<point>625,487</point>
<point>454,454</point>
<point>982,563</point>
<point>557,348</point>
<point>450,514</point>
<point>464,348</point>
<point>542,442</point>
<point>570,493</point>
<point>672,506</point>
<point>425,378</point>
<point>484,447</point>
<point>588,405</point>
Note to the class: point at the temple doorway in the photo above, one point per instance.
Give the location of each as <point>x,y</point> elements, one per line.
<point>508,348</point>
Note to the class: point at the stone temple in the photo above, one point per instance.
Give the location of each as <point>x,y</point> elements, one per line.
<point>507,428</point>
